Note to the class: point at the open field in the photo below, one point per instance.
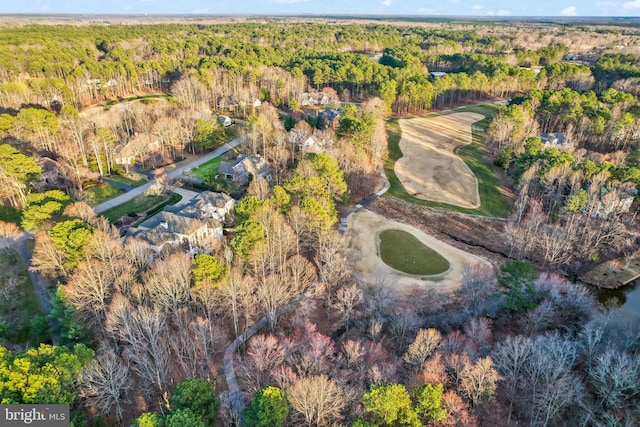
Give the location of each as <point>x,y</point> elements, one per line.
<point>429,168</point>
<point>404,252</point>
<point>493,198</point>
<point>363,231</point>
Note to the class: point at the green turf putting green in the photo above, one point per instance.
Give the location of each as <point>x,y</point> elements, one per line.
<point>404,252</point>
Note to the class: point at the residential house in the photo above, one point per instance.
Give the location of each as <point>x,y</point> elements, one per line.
<point>615,200</point>
<point>317,98</point>
<point>228,103</point>
<point>225,120</point>
<point>50,176</point>
<point>438,73</point>
<point>139,146</point>
<point>556,140</point>
<point>193,226</point>
<point>312,144</point>
<point>244,166</point>
<point>330,116</point>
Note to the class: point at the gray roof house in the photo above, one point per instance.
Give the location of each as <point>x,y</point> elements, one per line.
<point>239,170</point>
<point>556,140</point>
<point>193,225</point>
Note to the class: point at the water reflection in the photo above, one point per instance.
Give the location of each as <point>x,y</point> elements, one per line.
<point>624,302</point>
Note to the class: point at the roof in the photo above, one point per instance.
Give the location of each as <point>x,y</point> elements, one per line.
<point>252,164</point>
<point>557,138</point>
<point>48,164</point>
<point>218,200</point>
<point>329,115</point>
<point>169,223</point>
<point>247,164</point>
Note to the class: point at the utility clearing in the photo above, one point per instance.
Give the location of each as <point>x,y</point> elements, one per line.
<point>429,168</point>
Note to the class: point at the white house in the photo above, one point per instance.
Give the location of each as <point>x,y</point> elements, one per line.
<point>556,140</point>
<point>225,120</point>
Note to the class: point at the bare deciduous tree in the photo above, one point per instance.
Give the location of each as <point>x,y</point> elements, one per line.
<point>425,343</point>
<point>105,383</point>
<point>478,381</point>
<point>346,304</point>
<point>317,401</point>
<point>478,284</point>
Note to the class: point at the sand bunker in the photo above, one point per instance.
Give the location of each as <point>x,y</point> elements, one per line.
<point>363,230</point>
<point>429,169</point>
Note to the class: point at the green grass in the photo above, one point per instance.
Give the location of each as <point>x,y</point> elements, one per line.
<point>231,133</point>
<point>136,205</point>
<point>128,181</point>
<point>405,253</point>
<point>147,204</point>
<point>99,194</point>
<point>19,304</point>
<point>9,214</point>
<point>208,169</point>
<point>136,98</point>
<point>492,201</point>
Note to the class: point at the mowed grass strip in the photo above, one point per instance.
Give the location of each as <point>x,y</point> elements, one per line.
<point>404,252</point>
<point>208,169</point>
<point>492,201</point>
<point>100,194</point>
<point>19,303</point>
<point>128,181</point>
<point>136,205</point>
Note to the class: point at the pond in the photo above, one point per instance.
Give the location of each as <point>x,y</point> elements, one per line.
<point>402,251</point>
<point>626,303</point>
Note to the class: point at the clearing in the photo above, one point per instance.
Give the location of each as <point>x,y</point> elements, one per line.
<point>429,168</point>
<point>363,231</point>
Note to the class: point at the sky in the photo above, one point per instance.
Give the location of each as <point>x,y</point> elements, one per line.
<point>624,8</point>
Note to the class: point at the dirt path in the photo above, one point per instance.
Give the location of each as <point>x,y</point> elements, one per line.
<point>429,168</point>
<point>362,233</point>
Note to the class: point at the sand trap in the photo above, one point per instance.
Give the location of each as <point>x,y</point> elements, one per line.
<point>363,230</point>
<point>429,169</point>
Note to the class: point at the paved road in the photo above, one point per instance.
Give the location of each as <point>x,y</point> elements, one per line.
<point>176,173</point>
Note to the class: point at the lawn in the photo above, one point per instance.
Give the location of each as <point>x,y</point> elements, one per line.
<point>9,214</point>
<point>128,181</point>
<point>18,301</point>
<point>99,193</point>
<point>492,201</point>
<point>206,170</point>
<point>404,252</point>
<point>139,205</point>
<point>137,98</point>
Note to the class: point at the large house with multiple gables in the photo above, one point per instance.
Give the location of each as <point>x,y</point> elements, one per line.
<point>244,166</point>
<point>192,226</point>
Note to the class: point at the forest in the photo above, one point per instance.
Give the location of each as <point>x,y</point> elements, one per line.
<point>270,324</point>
